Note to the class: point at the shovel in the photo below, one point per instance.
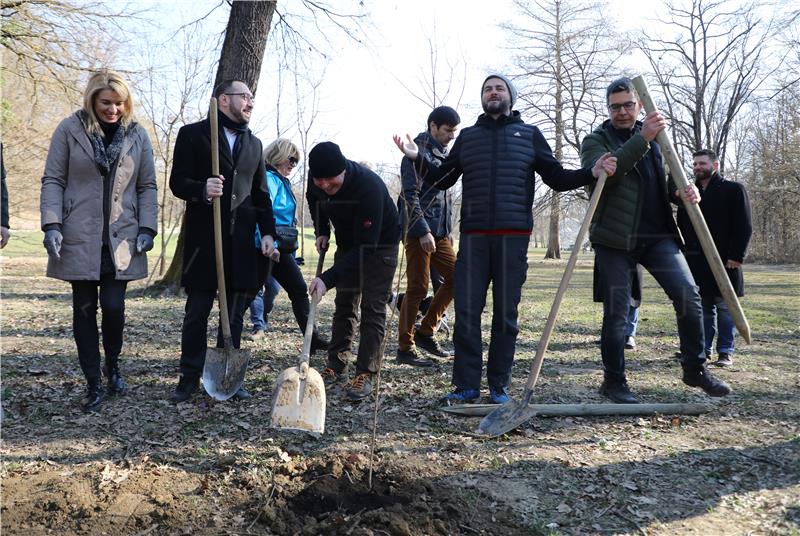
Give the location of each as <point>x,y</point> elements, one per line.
<point>224,369</point>
<point>513,413</point>
<point>298,400</point>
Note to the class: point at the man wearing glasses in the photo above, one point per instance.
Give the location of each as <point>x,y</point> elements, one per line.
<point>634,224</point>
<point>245,206</point>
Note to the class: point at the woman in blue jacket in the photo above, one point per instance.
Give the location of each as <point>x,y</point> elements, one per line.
<point>281,156</point>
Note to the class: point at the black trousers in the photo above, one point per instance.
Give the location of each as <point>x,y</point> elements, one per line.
<point>195,326</point>
<point>503,261</point>
<point>84,321</point>
<point>290,278</point>
<point>372,291</point>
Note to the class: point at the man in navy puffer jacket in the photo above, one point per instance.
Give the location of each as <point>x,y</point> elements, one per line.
<point>497,158</point>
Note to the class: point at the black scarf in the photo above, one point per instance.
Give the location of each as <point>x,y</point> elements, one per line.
<point>238,128</point>
<point>106,154</point>
<point>227,122</point>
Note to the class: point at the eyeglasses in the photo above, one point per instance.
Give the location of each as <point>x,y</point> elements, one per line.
<point>245,96</point>
<point>293,161</point>
<point>616,107</point>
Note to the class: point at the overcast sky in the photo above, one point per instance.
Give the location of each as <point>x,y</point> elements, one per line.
<point>362,103</point>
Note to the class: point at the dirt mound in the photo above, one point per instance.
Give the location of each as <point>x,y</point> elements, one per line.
<point>338,498</point>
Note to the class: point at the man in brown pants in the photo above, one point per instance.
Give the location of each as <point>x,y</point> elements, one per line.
<point>425,219</point>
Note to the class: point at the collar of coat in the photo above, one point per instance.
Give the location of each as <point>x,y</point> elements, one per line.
<point>487,121</point>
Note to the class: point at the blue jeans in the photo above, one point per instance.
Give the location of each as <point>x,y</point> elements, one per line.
<point>262,304</point>
<point>632,321</point>
<point>667,265</point>
<point>717,320</point>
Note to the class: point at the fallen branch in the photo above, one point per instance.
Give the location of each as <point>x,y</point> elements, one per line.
<point>582,410</point>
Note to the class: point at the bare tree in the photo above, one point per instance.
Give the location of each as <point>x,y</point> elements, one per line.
<point>308,103</point>
<point>771,170</point>
<point>245,40</point>
<point>60,38</point>
<point>171,96</point>
<point>441,80</point>
<point>709,69</point>
<point>563,55</point>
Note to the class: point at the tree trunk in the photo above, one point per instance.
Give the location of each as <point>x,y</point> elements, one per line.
<point>245,40</point>
<point>241,58</point>
<point>554,232</point>
<point>554,238</point>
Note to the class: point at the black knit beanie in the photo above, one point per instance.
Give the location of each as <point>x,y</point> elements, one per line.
<point>512,90</point>
<point>325,160</point>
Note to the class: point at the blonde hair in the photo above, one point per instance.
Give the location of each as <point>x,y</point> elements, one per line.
<point>280,150</point>
<point>106,79</point>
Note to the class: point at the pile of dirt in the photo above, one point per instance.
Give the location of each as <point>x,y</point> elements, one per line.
<point>339,498</point>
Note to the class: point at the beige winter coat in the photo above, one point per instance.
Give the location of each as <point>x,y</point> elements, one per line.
<point>72,195</point>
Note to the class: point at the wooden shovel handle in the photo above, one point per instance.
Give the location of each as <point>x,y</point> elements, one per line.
<point>562,287</point>
<point>305,353</point>
<point>697,219</point>
<point>223,296</point>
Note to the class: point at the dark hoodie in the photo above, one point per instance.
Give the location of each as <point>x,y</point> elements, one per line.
<point>426,208</point>
<point>497,159</point>
<point>363,214</point>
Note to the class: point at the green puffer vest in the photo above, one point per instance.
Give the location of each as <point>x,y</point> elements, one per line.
<point>616,221</point>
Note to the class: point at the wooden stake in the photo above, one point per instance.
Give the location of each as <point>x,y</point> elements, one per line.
<point>696,217</point>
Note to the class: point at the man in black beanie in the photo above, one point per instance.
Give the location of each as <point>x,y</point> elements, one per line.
<point>497,158</point>
<point>356,201</point>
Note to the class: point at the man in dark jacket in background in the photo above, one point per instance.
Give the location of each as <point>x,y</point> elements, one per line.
<point>357,203</point>
<point>245,205</point>
<point>633,224</point>
<point>726,209</point>
<point>426,220</point>
<point>497,157</point>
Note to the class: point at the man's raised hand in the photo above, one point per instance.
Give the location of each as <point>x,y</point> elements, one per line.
<point>408,147</point>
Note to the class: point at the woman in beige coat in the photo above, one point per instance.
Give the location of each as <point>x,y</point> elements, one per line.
<point>99,209</point>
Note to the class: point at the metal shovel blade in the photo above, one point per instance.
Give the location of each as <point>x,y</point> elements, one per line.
<point>224,370</point>
<point>507,417</point>
<point>298,402</point>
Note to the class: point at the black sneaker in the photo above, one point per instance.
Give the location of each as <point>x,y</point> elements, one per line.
<point>618,392</point>
<point>702,378</point>
<point>187,386</point>
<point>430,345</point>
<point>724,360</point>
<point>360,388</point>
<point>411,357</point>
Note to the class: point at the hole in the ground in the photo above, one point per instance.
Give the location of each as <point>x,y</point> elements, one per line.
<point>330,494</point>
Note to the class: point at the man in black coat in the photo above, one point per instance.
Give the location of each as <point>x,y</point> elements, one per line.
<point>245,205</point>
<point>357,203</point>
<point>726,209</point>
